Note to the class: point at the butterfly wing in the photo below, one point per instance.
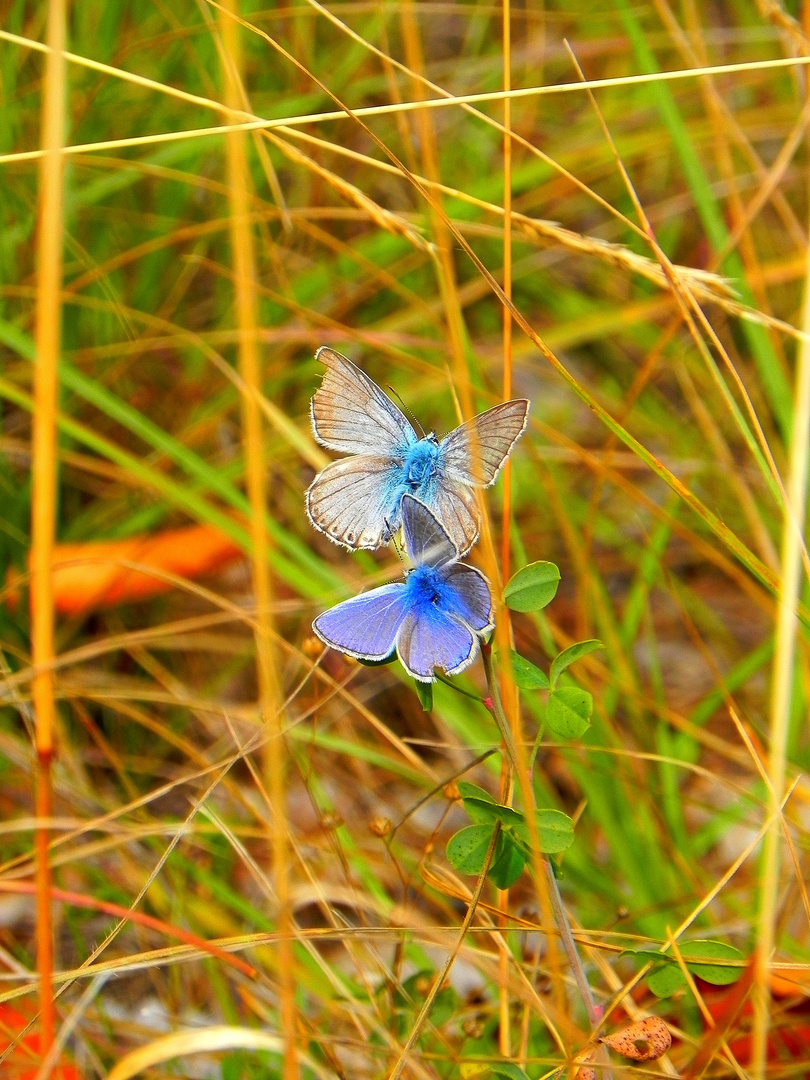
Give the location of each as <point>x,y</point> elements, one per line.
<point>352,415</point>
<point>468,596</point>
<point>475,452</point>
<point>432,639</point>
<point>355,501</point>
<point>425,539</point>
<point>455,505</point>
<point>367,625</point>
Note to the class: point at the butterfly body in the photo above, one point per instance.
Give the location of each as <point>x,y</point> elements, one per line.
<point>432,619</point>
<point>357,500</point>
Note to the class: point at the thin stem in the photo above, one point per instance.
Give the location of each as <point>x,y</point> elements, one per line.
<point>782,688</point>
<point>560,915</point>
<point>43,502</point>
<point>250,370</point>
<point>438,982</point>
<point>496,708</point>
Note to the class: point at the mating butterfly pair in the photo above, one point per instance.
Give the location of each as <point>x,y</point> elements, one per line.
<point>426,485</point>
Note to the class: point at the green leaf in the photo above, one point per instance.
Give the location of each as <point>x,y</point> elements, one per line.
<point>486,810</point>
<point>477,803</point>
<point>665,980</point>
<point>696,952</point>
<point>531,588</point>
<point>569,711</point>
<point>567,657</point>
<point>508,1071</point>
<point>424,691</point>
<point>508,864</point>
<point>555,830</point>
<point>473,791</point>
<point>467,850</point>
<point>668,977</point>
<point>527,675</point>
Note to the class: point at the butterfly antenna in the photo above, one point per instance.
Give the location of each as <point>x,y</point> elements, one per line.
<point>407,410</point>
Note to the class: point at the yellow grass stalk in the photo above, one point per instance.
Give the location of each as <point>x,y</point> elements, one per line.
<point>504,627</point>
<point>245,284</point>
<point>781,689</point>
<point>445,264</point>
<point>43,508</point>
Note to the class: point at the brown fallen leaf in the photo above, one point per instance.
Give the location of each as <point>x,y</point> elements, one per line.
<point>585,1071</point>
<point>644,1041</point>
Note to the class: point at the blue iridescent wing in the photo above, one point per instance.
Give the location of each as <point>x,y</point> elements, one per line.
<point>367,625</point>
<point>352,415</point>
<point>475,452</point>
<point>425,539</point>
<point>355,501</point>
<point>431,639</point>
<point>468,596</point>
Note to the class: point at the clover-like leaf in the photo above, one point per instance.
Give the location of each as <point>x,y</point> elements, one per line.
<point>484,810</point>
<point>568,656</point>
<point>568,712</point>
<point>527,675</point>
<point>468,790</point>
<point>555,831</point>
<point>531,588</point>
<point>663,981</point>
<point>508,864</point>
<point>699,954</point>
<point>467,850</point>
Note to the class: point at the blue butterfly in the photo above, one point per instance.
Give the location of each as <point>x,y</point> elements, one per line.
<point>356,501</point>
<point>432,619</point>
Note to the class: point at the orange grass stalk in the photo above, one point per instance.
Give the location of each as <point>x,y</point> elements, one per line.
<point>43,509</point>
<point>242,244</point>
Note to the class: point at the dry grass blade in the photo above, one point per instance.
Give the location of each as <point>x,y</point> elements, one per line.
<point>242,245</point>
<point>210,1041</point>
<point>790,588</point>
<point>427,189</point>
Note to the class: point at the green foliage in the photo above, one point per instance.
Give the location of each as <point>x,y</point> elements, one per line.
<point>569,656</point>
<point>527,675</point>
<point>533,587</point>
<point>467,849</point>
<point>645,475</point>
<point>666,976</point>
<point>568,712</point>
<point>424,691</point>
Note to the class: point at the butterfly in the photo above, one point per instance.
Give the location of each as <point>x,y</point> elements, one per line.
<point>432,619</point>
<point>356,500</point>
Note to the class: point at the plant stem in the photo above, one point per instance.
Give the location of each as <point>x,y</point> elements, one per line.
<point>43,496</point>
<point>564,926</point>
<point>438,982</point>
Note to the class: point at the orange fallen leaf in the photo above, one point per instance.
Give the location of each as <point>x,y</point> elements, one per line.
<point>643,1041</point>
<point>24,1061</point>
<point>92,575</point>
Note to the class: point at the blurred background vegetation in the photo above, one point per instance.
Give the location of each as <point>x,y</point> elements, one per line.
<point>667,529</point>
